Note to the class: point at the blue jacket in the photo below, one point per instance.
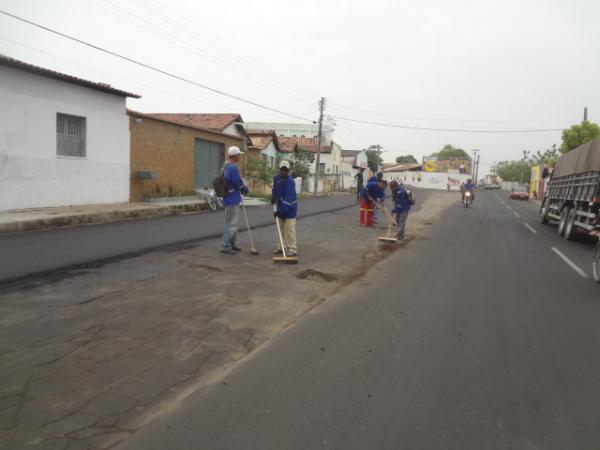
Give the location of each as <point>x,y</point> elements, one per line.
<point>284,196</point>
<point>469,186</point>
<point>232,175</point>
<point>401,200</point>
<point>372,189</point>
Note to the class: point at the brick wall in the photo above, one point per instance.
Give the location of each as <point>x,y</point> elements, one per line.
<point>168,149</point>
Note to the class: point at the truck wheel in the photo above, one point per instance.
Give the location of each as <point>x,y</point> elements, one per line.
<point>563,221</point>
<point>544,213</point>
<point>570,231</point>
<point>596,263</point>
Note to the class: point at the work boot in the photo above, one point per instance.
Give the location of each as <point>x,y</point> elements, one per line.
<point>228,251</point>
<point>237,249</point>
<point>278,252</point>
<point>291,253</point>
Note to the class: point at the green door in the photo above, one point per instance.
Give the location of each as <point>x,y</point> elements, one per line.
<point>208,162</point>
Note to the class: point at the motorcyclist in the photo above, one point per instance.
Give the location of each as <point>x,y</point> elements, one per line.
<point>468,186</point>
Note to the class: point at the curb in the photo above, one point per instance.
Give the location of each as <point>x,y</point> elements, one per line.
<point>98,218</point>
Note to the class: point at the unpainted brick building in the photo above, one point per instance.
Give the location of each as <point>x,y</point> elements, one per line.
<point>169,159</point>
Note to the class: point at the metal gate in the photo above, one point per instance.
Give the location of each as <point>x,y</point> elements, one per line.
<point>208,162</point>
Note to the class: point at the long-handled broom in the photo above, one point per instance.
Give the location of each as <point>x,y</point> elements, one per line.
<point>282,259</point>
<point>388,237</point>
<point>252,248</point>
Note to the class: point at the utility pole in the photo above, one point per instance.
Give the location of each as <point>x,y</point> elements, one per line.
<point>477,169</point>
<point>321,109</point>
<point>585,114</point>
<point>475,161</point>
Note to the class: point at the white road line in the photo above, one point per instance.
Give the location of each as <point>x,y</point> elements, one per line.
<point>516,214</point>
<point>574,266</point>
<point>530,228</point>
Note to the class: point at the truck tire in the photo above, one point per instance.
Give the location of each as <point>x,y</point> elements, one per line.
<point>544,213</point>
<point>563,220</point>
<point>596,263</point>
<point>570,230</point>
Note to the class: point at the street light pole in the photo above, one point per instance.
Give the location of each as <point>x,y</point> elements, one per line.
<point>321,108</point>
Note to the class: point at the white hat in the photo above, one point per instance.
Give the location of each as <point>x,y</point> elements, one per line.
<point>285,164</point>
<point>234,151</point>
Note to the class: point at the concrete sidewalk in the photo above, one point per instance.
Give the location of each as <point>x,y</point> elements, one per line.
<point>64,216</point>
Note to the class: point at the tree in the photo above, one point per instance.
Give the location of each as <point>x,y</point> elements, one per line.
<point>407,159</point>
<point>259,170</point>
<point>301,161</point>
<point>579,134</point>
<point>374,159</point>
<point>549,156</point>
<point>452,152</point>
<point>514,170</point>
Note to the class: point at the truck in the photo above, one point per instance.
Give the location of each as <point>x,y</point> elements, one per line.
<point>572,195</point>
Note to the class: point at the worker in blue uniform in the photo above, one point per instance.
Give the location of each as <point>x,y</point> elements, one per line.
<point>232,200</point>
<point>283,196</point>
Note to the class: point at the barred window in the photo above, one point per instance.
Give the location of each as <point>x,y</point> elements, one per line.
<point>70,135</point>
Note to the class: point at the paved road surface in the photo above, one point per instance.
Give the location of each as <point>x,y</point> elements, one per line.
<point>22,254</point>
<point>478,337</point>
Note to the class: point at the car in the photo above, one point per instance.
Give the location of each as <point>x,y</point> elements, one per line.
<point>518,193</point>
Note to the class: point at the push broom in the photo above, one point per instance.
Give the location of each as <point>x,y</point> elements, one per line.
<point>282,259</point>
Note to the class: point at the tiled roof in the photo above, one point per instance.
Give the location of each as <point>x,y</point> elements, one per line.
<point>15,63</point>
<point>288,144</point>
<point>261,138</point>
<point>402,167</point>
<point>152,117</point>
<point>209,121</point>
<point>350,153</point>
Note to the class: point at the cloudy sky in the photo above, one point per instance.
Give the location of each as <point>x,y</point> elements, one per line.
<point>478,65</point>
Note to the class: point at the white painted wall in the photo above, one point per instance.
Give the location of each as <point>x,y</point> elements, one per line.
<point>428,180</point>
<point>31,173</point>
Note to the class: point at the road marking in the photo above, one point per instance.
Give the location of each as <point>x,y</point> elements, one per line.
<point>574,266</point>
<point>530,228</point>
<point>516,214</point>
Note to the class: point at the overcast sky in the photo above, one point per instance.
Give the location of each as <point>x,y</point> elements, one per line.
<point>444,64</point>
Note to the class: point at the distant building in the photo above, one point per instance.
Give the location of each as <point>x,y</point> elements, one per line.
<point>266,143</point>
<point>63,140</point>
<point>299,130</point>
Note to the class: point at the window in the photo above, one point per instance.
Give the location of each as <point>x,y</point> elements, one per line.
<point>70,135</point>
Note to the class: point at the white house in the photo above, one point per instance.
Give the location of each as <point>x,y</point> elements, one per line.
<point>265,142</point>
<point>63,140</point>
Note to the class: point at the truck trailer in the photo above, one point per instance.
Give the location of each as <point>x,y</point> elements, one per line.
<point>572,196</point>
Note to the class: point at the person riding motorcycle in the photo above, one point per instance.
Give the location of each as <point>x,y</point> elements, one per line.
<point>468,186</point>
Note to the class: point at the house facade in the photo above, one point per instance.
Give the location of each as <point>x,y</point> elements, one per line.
<point>169,159</point>
<point>63,140</point>
<point>266,143</point>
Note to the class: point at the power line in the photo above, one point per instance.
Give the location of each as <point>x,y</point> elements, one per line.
<point>155,69</point>
<point>449,130</point>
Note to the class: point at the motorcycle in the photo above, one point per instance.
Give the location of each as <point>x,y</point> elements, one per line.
<point>467,198</point>
<point>596,258</point>
<point>214,201</point>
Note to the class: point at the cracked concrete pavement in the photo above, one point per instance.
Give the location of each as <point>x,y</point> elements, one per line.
<point>89,359</point>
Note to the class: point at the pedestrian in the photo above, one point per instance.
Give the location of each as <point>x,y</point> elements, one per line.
<point>283,196</point>
<point>402,204</point>
<point>232,200</point>
<point>368,194</point>
<point>380,199</point>
<point>359,177</point>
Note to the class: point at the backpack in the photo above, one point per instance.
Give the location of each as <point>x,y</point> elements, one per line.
<point>411,196</point>
<point>220,184</point>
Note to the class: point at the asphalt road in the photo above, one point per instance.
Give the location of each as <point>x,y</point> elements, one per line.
<point>479,336</point>
<point>22,254</point>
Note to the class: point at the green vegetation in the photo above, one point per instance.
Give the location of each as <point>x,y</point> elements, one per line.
<point>374,159</point>
<point>301,161</point>
<point>406,159</point>
<point>579,134</point>
<point>452,152</point>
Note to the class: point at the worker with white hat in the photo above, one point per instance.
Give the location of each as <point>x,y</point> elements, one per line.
<point>231,201</point>
<point>284,198</point>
